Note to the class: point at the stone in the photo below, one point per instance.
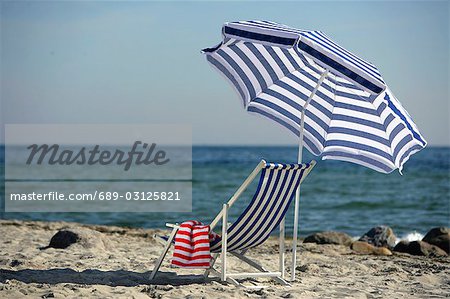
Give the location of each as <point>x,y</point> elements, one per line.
<point>382,251</point>
<point>329,237</point>
<point>366,248</point>
<point>63,239</point>
<point>15,263</point>
<point>362,247</point>
<point>420,248</point>
<point>440,237</point>
<point>310,268</point>
<point>402,246</point>
<point>380,236</point>
<point>83,237</point>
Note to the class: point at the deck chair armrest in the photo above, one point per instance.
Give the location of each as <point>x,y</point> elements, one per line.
<point>171,225</point>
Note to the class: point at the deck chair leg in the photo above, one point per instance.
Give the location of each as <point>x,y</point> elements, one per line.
<point>224,242</point>
<point>229,279</point>
<point>211,265</point>
<point>282,249</point>
<point>163,253</point>
<point>259,267</point>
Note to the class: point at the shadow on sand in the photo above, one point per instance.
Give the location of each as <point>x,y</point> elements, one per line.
<point>92,277</point>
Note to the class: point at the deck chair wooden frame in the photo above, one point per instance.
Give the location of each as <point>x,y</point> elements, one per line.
<point>240,253</point>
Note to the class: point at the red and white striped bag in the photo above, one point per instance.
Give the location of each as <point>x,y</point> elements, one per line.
<point>192,245</point>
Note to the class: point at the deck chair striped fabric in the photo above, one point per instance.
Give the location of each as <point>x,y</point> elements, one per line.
<point>265,212</point>
<point>272,198</point>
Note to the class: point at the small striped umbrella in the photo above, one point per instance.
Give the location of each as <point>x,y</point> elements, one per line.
<point>337,103</point>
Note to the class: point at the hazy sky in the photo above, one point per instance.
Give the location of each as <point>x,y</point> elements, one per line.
<point>140,62</point>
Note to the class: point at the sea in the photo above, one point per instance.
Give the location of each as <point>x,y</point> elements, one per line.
<point>338,196</point>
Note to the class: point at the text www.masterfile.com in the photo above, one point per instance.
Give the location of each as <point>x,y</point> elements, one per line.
<point>97,195</point>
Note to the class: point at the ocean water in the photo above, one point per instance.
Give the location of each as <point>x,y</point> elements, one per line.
<point>336,195</point>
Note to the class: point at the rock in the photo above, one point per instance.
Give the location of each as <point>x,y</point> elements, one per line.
<point>329,237</point>
<point>366,248</point>
<point>15,263</point>
<point>440,237</point>
<point>380,236</point>
<point>310,268</point>
<point>258,292</point>
<point>402,246</point>
<point>419,248</point>
<point>362,247</point>
<point>63,239</point>
<point>382,251</point>
<point>84,237</point>
<point>164,287</point>
<point>48,295</point>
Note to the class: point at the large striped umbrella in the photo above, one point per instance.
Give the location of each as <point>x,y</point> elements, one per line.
<point>337,103</point>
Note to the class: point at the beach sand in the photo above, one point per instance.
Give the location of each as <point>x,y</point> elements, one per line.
<point>116,263</point>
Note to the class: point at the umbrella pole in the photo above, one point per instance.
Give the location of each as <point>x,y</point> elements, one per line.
<point>300,157</point>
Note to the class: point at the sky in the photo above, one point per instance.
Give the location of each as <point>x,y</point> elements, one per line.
<point>94,62</point>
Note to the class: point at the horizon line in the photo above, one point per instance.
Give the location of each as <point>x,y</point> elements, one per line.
<point>219,145</point>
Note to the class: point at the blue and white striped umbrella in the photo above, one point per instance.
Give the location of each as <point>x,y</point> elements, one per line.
<point>349,112</point>
<point>337,103</point>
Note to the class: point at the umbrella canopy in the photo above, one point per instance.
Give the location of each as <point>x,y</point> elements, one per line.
<point>310,85</point>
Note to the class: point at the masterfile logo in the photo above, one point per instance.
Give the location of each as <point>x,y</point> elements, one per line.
<point>149,154</point>
<point>98,168</point>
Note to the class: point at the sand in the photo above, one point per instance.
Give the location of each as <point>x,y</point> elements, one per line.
<point>117,262</point>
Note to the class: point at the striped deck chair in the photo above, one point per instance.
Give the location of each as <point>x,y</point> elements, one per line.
<point>266,211</point>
